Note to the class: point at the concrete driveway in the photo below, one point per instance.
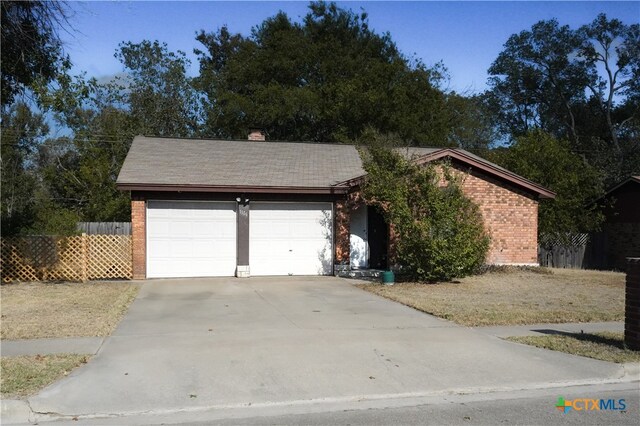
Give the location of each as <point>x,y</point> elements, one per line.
<point>198,343</point>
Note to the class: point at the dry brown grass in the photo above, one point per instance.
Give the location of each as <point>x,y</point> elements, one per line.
<point>603,346</point>
<point>517,296</point>
<point>39,310</point>
<point>25,375</point>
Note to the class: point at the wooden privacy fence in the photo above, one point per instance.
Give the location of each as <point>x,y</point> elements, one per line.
<point>104,228</point>
<point>577,251</point>
<point>565,253</point>
<point>78,258</point>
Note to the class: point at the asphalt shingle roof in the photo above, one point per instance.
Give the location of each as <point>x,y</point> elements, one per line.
<point>236,163</point>
<point>167,161</point>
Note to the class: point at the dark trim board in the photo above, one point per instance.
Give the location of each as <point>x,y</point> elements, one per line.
<point>232,196</point>
<point>233,189</point>
<point>242,238</point>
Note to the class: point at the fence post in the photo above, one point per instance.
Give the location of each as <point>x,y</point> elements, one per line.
<point>85,256</point>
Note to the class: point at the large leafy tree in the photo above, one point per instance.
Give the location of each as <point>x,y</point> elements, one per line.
<point>471,124</point>
<point>80,171</point>
<point>31,46</point>
<point>154,97</point>
<point>326,78</point>
<point>536,83</point>
<point>576,84</point>
<point>615,47</point>
<point>551,163</point>
<point>157,91</point>
<point>22,132</point>
<point>32,57</point>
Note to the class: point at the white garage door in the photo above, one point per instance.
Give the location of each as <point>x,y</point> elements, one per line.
<point>290,238</point>
<point>191,239</point>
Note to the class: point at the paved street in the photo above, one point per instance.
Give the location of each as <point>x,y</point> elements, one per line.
<point>517,408</point>
<point>520,407</point>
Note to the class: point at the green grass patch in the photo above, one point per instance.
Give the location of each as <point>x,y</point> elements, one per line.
<point>606,346</point>
<point>25,375</point>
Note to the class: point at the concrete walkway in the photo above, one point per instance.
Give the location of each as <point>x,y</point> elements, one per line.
<point>91,345</point>
<point>546,329</point>
<point>71,345</point>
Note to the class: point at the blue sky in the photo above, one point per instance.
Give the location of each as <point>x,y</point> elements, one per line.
<point>466,36</point>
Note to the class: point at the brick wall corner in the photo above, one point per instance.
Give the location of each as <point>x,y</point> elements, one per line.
<point>139,238</point>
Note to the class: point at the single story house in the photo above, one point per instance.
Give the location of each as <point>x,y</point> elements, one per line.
<point>237,208</point>
<point>620,235</point>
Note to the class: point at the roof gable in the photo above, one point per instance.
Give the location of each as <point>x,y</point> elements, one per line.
<point>172,164</point>
<point>629,180</point>
<point>493,169</point>
<point>427,155</point>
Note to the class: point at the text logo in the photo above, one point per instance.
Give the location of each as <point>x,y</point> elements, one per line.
<point>590,404</point>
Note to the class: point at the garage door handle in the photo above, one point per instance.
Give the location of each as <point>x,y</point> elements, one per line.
<point>290,250</point>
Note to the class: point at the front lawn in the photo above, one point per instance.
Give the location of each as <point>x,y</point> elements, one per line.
<point>39,310</point>
<point>516,296</point>
<point>603,346</point>
<point>24,375</point>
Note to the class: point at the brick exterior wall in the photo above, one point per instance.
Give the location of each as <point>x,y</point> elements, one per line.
<point>342,231</point>
<point>392,247</point>
<point>632,305</point>
<point>510,216</point>
<point>138,238</point>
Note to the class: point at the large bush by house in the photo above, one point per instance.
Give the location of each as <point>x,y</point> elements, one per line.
<point>440,232</point>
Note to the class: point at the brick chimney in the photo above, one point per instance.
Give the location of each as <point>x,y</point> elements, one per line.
<point>257,135</point>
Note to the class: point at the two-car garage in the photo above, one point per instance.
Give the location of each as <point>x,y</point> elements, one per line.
<point>200,238</point>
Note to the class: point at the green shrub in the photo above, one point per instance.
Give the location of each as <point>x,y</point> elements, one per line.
<point>440,231</point>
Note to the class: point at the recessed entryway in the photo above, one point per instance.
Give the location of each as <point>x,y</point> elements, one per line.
<point>368,239</point>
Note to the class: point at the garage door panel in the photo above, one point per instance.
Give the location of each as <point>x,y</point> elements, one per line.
<point>191,239</point>
<point>158,228</point>
<point>290,238</point>
<point>204,246</point>
<point>181,228</point>
<point>182,249</point>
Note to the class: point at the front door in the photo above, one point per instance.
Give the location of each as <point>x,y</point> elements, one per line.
<point>378,234</point>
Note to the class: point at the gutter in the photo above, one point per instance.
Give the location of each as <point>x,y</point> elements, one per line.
<point>334,190</point>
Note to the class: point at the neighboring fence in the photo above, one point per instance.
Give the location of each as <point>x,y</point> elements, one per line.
<point>558,253</point>
<point>76,258</point>
<point>579,251</point>
<point>105,228</point>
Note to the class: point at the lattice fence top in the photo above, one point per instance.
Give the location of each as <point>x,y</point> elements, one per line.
<point>568,240</point>
<point>76,258</point>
